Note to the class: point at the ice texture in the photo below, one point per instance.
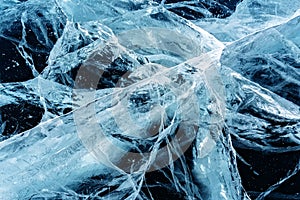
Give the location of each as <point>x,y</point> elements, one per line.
<point>140,99</point>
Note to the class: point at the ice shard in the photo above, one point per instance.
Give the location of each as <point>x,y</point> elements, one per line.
<point>268,58</point>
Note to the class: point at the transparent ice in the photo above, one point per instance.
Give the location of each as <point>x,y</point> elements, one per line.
<point>133,90</point>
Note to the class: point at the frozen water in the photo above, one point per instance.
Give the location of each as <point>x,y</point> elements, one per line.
<point>149,99</point>
<point>250,16</point>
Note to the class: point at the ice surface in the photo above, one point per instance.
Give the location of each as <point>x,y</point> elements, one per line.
<point>250,16</point>
<point>149,99</point>
<point>72,159</point>
<point>270,58</point>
